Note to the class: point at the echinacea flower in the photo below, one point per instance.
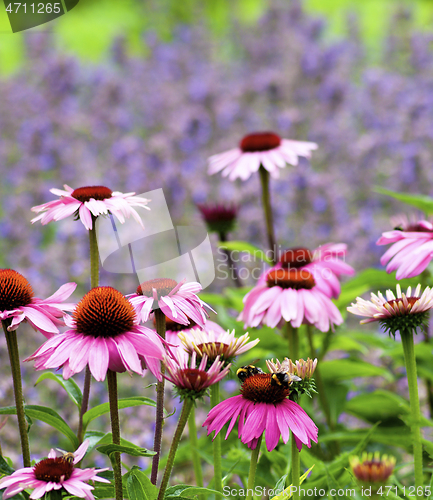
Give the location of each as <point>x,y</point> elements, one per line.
<point>289,295</point>
<point>263,407</point>
<point>18,304</point>
<point>412,248</point>
<point>372,468</point>
<point>407,311</point>
<point>178,301</point>
<point>216,343</point>
<point>104,334</point>
<point>219,218</point>
<point>265,149</point>
<point>301,368</point>
<point>192,381</point>
<point>88,201</point>
<point>54,473</point>
<point>175,330</point>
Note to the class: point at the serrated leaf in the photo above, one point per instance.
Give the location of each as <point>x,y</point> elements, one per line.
<point>47,415</point>
<point>245,247</point>
<point>420,201</point>
<point>70,386</point>
<point>104,408</point>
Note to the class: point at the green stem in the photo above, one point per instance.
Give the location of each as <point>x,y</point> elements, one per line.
<point>115,431</point>
<point>186,409</point>
<point>194,448</point>
<point>410,360</point>
<point>319,381</point>
<point>267,207</point>
<point>253,467</point>
<point>14,359</point>
<point>292,335</point>
<point>214,400</point>
<point>160,321</point>
<point>296,469</point>
<point>230,264</point>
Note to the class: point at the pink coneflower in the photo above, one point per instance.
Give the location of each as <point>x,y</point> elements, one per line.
<point>412,250</point>
<point>89,201</point>
<point>54,473</point>
<point>191,380</point>
<point>219,218</point>
<point>260,148</point>
<point>104,334</point>
<point>289,295</point>
<point>406,311</point>
<point>178,301</point>
<point>372,468</point>
<point>263,406</point>
<point>17,303</point>
<point>216,343</point>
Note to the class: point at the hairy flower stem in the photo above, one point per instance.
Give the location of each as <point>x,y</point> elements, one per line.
<point>293,338</point>
<point>214,400</point>
<point>253,467</point>
<point>296,469</point>
<point>194,448</point>
<point>14,359</point>
<point>115,431</point>
<point>186,409</point>
<point>410,361</point>
<point>234,274</point>
<point>160,321</point>
<point>267,207</point>
<point>94,282</point>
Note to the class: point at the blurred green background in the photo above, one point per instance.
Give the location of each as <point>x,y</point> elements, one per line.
<point>89,29</point>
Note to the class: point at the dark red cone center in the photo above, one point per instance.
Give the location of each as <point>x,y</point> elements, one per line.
<point>15,290</point>
<point>53,470</point>
<point>259,141</point>
<point>104,312</point>
<point>163,286</point>
<point>87,193</point>
<point>195,377</point>
<point>258,388</point>
<point>296,257</point>
<point>291,278</point>
<point>412,301</point>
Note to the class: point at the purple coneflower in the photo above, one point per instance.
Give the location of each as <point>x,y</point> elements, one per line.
<point>260,148</point>
<point>18,304</point>
<point>54,473</point>
<point>104,334</point>
<point>89,201</point>
<point>263,406</point>
<point>412,250</point>
<point>178,301</point>
<point>219,218</point>
<point>289,295</point>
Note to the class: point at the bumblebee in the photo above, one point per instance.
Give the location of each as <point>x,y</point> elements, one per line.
<point>248,371</point>
<point>67,456</point>
<point>283,377</point>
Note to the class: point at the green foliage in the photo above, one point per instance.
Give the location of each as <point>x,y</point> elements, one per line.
<point>420,201</point>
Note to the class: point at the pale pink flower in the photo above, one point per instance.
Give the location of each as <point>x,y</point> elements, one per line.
<point>18,304</point>
<point>54,473</point>
<point>263,406</point>
<point>289,295</point>
<point>412,248</point>
<point>178,301</point>
<point>104,334</point>
<point>176,330</point>
<point>265,149</point>
<point>89,201</point>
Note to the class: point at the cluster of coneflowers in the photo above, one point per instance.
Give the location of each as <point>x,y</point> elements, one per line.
<point>105,335</point>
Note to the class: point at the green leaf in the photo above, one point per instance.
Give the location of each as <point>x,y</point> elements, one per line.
<point>139,486</point>
<point>47,415</point>
<point>420,201</point>
<point>346,369</point>
<point>5,468</point>
<point>104,408</point>
<point>187,491</point>
<point>109,449</point>
<point>287,493</point>
<point>245,247</point>
<point>70,386</point>
<point>104,492</point>
<point>378,405</point>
